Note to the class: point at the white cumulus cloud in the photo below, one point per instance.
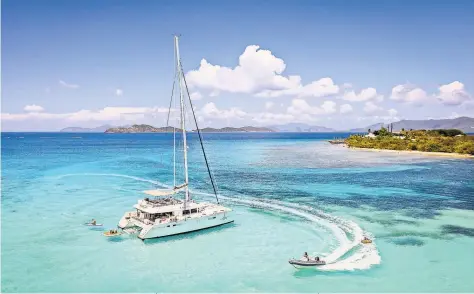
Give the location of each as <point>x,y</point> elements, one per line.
<point>371,107</point>
<point>300,106</point>
<point>272,118</point>
<point>364,95</point>
<point>345,108</point>
<point>214,93</point>
<point>210,110</point>
<point>259,72</point>
<point>452,94</point>
<point>268,105</point>
<point>196,96</point>
<point>347,85</point>
<point>409,94</point>
<point>392,112</point>
<point>33,108</point>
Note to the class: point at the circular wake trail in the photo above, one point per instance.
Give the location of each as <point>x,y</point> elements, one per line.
<point>360,257</point>
<point>363,257</point>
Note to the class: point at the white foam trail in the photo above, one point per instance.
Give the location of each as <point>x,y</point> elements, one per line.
<point>111,175</point>
<point>362,257</point>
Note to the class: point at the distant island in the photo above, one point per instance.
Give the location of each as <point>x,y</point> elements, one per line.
<point>465,124</point>
<point>99,129</point>
<point>437,141</point>
<point>150,129</point>
<point>141,129</point>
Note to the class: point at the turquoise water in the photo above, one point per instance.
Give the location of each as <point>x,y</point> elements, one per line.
<point>291,193</point>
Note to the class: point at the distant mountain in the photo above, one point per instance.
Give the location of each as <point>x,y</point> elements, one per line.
<point>141,129</point>
<point>299,127</point>
<point>236,130</point>
<point>100,129</point>
<point>151,129</point>
<point>465,124</point>
<point>373,127</point>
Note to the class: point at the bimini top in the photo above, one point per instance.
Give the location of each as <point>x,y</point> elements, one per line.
<point>165,192</point>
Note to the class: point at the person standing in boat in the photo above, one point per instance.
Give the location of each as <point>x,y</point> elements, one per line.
<point>306,256</point>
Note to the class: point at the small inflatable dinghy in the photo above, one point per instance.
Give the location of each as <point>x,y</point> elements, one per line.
<point>109,234</point>
<point>92,225</point>
<point>304,263</point>
<point>366,241</point>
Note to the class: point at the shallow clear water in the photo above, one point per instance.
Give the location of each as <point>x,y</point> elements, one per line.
<point>291,193</point>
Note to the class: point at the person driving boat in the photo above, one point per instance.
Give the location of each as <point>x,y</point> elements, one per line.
<point>306,256</point>
<point>93,222</point>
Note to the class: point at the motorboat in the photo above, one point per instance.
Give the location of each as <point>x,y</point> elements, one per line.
<point>306,262</point>
<point>366,241</point>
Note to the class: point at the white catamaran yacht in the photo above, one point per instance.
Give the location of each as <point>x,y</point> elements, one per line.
<point>160,214</point>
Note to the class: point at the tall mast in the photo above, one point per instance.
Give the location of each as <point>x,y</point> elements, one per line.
<point>183,124</point>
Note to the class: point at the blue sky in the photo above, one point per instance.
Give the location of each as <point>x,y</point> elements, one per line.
<point>351,63</point>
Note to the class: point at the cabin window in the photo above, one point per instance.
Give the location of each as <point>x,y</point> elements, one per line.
<point>185,212</point>
<point>194,210</point>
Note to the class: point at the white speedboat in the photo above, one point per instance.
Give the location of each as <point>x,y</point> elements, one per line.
<point>161,214</point>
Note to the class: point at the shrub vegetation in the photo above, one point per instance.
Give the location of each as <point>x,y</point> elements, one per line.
<point>450,141</point>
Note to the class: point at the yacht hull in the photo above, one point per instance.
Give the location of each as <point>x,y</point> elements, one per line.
<point>185,226</point>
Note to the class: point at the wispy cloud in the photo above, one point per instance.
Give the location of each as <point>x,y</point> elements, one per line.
<point>196,96</point>
<point>66,85</point>
<point>105,114</point>
<point>119,92</point>
<point>33,108</point>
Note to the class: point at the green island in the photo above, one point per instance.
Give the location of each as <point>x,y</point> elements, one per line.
<point>442,140</point>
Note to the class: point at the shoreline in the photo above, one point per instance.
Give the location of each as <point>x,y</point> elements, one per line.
<point>414,152</point>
